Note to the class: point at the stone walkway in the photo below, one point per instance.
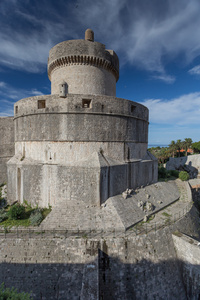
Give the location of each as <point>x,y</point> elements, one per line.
<point>160,195</point>
<point>77,216</point>
<point>171,200</point>
<point>119,214</point>
<point>171,213</point>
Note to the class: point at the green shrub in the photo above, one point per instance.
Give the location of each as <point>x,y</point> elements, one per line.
<point>3,215</point>
<point>12,294</point>
<point>174,173</point>
<point>183,175</point>
<point>45,211</point>
<point>36,217</point>
<point>27,205</point>
<point>16,211</point>
<point>162,172</point>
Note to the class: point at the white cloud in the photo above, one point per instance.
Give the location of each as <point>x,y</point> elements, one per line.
<point>184,110</point>
<point>195,70</point>
<point>2,84</point>
<point>166,78</point>
<point>146,33</point>
<point>9,95</point>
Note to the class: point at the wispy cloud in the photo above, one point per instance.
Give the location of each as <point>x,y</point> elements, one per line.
<point>195,70</point>
<point>147,34</point>
<point>184,110</point>
<point>166,78</point>
<point>9,95</point>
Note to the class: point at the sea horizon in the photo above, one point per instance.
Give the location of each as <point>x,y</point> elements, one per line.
<point>157,145</point>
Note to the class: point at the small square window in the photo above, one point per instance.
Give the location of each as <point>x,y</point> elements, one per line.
<point>41,104</point>
<point>16,109</point>
<point>133,107</point>
<point>86,103</point>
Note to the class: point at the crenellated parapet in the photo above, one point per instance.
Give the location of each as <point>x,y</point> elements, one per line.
<point>97,62</point>
<point>84,66</point>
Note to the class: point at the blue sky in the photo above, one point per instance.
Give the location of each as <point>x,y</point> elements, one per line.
<point>157,41</point>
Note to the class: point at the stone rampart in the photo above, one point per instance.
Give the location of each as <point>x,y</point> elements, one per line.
<point>104,137</point>
<point>188,252</point>
<point>6,145</point>
<point>140,267</point>
<point>107,119</point>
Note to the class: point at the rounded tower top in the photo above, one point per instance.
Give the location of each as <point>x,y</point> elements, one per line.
<point>89,35</point>
<point>85,66</point>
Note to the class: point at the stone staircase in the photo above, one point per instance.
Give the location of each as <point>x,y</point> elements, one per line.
<point>76,215</point>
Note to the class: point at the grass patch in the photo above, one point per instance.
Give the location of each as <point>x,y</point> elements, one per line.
<point>150,218</point>
<point>177,233</point>
<point>166,214</point>
<point>167,221</point>
<point>15,223</point>
<point>167,179</point>
<point>25,216</point>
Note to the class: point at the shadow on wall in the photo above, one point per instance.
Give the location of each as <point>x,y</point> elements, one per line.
<point>103,278</point>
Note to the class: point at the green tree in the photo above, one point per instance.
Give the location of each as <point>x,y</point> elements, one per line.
<point>187,143</point>
<point>179,145</point>
<point>173,148</point>
<point>196,147</point>
<point>163,155</point>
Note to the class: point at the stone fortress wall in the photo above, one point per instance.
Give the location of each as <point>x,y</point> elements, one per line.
<point>113,123</point>
<point>132,267</point>
<point>65,136</point>
<point>6,145</point>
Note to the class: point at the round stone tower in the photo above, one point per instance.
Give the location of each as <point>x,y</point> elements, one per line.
<point>80,143</point>
<point>84,66</point>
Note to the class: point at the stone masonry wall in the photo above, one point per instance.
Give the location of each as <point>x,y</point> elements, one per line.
<point>188,252</point>
<point>84,79</point>
<point>137,267</point>
<point>6,145</point>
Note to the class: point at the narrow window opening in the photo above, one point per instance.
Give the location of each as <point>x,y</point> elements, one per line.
<point>63,89</point>
<point>133,107</point>
<point>41,104</point>
<point>16,109</point>
<point>128,153</point>
<point>86,103</point>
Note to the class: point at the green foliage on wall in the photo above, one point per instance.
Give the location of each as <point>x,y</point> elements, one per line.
<point>12,294</point>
